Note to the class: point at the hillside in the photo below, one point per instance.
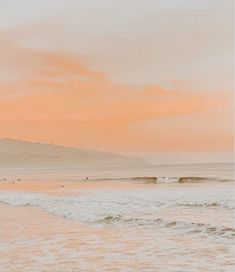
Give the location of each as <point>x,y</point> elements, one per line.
<point>14,153</point>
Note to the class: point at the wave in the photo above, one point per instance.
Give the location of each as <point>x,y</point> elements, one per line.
<point>198,179</point>
<point>156,179</point>
<point>130,179</point>
<point>72,209</point>
<point>138,207</point>
<point>185,227</point>
<point>213,204</point>
<point>189,179</point>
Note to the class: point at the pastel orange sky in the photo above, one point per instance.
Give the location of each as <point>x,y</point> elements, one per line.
<point>132,82</point>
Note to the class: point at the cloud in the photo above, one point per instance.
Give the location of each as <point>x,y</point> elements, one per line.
<point>55,96</point>
<point>25,70</point>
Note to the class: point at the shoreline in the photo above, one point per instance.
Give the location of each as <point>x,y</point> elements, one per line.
<point>33,239</point>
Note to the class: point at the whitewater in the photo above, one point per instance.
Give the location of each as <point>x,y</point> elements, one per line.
<point>175,219</point>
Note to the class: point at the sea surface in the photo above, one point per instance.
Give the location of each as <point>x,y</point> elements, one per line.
<point>176,218</point>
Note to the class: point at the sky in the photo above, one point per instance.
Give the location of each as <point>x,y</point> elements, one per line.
<point>153,77</point>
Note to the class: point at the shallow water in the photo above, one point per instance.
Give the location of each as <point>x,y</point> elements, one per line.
<point>151,227</point>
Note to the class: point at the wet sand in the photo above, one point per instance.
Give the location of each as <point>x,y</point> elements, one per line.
<point>33,240</point>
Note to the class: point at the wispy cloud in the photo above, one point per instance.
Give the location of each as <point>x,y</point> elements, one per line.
<point>55,95</point>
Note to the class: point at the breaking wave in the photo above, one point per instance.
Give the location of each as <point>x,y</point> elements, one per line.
<point>139,206</point>
<point>156,180</point>
<point>188,179</point>
<point>128,179</point>
<point>186,227</point>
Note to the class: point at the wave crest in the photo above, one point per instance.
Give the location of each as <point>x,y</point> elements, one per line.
<point>185,227</point>
<point>156,179</point>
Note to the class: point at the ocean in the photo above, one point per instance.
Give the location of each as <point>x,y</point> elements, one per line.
<point>156,218</point>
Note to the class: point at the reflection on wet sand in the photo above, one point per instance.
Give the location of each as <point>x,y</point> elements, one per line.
<point>37,241</point>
